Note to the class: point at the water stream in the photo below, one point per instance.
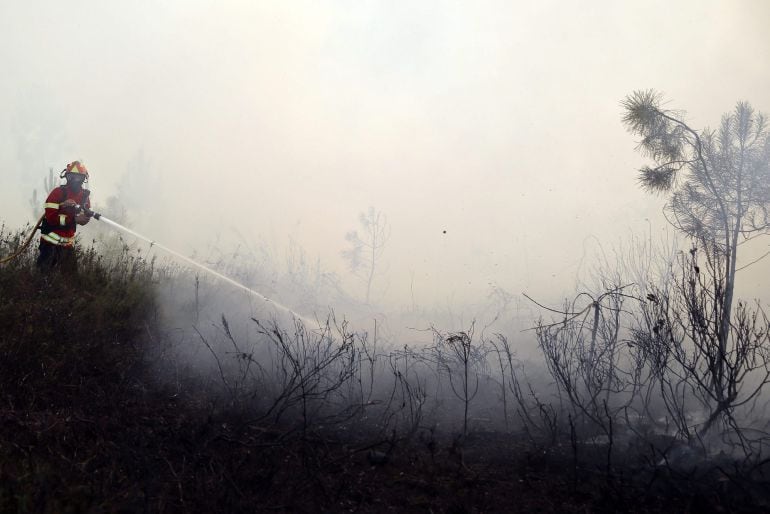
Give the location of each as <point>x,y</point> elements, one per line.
<point>307,321</point>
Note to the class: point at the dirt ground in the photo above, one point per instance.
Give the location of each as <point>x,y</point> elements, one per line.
<point>150,451</point>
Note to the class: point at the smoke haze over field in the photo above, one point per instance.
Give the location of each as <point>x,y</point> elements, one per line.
<point>489,133</point>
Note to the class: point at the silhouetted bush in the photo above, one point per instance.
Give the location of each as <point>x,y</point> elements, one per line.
<point>62,332</point>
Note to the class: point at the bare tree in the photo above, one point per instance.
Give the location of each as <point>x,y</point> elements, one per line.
<point>36,202</point>
<point>719,187</point>
<point>584,355</point>
<point>462,360</point>
<point>678,336</point>
<point>367,246</point>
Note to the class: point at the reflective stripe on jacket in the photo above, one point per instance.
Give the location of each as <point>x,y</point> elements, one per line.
<point>56,239</point>
<point>59,226</point>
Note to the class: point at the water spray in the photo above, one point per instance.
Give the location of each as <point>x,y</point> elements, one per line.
<point>190,261</point>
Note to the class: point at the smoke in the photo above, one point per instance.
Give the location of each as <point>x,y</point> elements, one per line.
<point>488,134</point>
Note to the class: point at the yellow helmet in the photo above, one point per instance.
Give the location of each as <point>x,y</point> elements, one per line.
<point>75,167</point>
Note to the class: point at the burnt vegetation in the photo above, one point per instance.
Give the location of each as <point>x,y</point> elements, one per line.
<point>648,393</point>
<point>101,411</point>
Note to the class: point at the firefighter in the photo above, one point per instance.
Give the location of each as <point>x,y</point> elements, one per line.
<point>65,209</point>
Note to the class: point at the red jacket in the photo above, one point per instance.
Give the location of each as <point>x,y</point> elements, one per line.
<point>59,224</point>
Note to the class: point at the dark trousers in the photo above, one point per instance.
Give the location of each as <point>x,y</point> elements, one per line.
<point>56,257</point>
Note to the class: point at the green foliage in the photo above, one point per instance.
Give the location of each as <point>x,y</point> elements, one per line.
<point>59,331</point>
<point>71,351</point>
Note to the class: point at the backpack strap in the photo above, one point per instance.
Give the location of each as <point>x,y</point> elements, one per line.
<point>86,194</point>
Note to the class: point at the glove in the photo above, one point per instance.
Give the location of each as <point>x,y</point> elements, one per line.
<point>82,219</point>
<point>68,206</point>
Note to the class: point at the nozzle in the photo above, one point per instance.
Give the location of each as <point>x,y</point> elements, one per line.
<point>88,212</point>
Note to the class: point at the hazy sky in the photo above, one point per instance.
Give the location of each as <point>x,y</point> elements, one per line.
<point>497,122</point>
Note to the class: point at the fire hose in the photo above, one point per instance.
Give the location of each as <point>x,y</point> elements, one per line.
<point>20,250</point>
<point>91,214</point>
<point>24,246</point>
